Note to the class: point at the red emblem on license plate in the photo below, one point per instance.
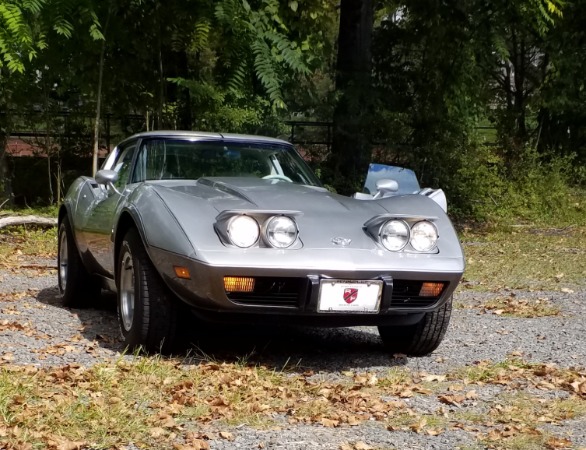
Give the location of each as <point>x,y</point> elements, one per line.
<point>350,295</point>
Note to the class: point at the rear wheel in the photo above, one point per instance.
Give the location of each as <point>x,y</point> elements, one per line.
<point>76,285</point>
<point>147,310</point>
<point>421,338</point>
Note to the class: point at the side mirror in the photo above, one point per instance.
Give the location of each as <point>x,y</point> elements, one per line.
<point>106,177</point>
<point>385,187</point>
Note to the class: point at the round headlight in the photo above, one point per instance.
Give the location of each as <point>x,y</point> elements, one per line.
<point>394,235</point>
<point>423,236</point>
<point>243,231</point>
<point>281,231</point>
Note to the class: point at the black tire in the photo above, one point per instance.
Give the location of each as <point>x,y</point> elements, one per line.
<point>77,287</point>
<point>421,338</point>
<point>152,324</point>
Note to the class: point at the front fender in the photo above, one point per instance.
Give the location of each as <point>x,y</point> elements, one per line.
<point>156,224</point>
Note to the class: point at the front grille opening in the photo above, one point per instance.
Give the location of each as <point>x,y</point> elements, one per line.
<point>406,293</point>
<point>271,291</point>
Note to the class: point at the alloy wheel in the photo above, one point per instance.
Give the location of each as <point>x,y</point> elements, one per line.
<point>127,291</point>
<point>63,261</point>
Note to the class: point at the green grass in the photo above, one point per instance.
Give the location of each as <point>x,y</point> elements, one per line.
<point>28,240</point>
<point>525,258</point>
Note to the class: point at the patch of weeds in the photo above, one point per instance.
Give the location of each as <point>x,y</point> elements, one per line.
<point>488,372</point>
<point>396,376</point>
<point>566,409</point>
<point>460,305</point>
<point>510,439</point>
<point>429,424</point>
<point>401,420</point>
<point>519,415</point>
<point>473,417</point>
<point>521,258</point>
<point>521,307</point>
<point>514,419</point>
<point>27,240</point>
<point>46,211</point>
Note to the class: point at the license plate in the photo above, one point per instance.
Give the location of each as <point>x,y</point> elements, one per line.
<point>351,296</point>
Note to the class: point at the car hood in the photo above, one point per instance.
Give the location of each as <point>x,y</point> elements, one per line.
<point>255,193</point>
<point>320,215</point>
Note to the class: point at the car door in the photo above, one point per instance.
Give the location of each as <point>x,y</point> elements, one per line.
<point>98,223</point>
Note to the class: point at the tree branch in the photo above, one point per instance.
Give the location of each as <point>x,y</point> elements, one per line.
<point>25,220</point>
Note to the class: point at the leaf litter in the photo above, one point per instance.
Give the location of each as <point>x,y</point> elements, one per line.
<point>153,401</point>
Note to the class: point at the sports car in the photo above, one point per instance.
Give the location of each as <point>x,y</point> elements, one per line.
<point>188,227</point>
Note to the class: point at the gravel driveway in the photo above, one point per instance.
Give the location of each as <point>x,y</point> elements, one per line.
<point>36,330</point>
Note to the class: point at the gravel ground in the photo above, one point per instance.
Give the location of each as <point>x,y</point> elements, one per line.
<point>36,330</point>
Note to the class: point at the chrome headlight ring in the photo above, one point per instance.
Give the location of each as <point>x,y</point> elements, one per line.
<point>394,235</point>
<point>424,236</point>
<point>281,231</point>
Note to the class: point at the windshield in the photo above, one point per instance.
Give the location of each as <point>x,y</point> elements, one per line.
<point>168,159</point>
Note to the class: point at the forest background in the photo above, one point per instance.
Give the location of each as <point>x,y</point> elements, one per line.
<point>485,99</point>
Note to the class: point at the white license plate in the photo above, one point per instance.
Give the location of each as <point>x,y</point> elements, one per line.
<point>351,296</point>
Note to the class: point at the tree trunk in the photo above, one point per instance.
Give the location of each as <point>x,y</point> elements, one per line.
<point>4,185</point>
<point>184,97</point>
<point>96,146</point>
<point>161,95</point>
<point>5,190</point>
<point>96,143</point>
<point>351,150</point>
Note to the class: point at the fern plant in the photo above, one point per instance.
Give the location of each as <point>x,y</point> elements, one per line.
<point>258,46</point>
<point>24,26</point>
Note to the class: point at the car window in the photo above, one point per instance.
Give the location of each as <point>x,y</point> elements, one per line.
<point>123,165</point>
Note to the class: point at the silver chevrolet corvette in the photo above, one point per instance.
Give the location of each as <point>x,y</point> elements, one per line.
<point>189,226</point>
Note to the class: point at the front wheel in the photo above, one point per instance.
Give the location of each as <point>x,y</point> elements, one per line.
<point>147,311</point>
<point>421,338</point>
<point>76,285</point>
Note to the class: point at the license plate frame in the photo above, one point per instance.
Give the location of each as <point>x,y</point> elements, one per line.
<point>349,296</point>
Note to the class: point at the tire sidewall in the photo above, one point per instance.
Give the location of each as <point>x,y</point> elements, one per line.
<point>70,296</point>
<point>137,332</point>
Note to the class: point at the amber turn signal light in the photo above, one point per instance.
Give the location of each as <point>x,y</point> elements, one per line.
<point>238,284</point>
<point>182,272</point>
<point>429,289</point>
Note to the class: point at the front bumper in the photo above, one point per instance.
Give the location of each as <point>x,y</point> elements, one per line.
<point>291,294</point>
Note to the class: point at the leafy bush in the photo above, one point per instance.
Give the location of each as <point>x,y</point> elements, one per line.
<point>540,191</point>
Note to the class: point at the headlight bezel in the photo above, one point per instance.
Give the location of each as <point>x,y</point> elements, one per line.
<point>262,218</point>
<point>374,228</point>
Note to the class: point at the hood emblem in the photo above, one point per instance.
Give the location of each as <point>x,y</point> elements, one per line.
<point>350,295</point>
<point>342,242</point>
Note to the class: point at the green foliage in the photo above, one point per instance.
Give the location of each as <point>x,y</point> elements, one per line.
<point>263,33</point>
<point>541,191</point>
<point>24,26</point>
<point>19,36</point>
<point>439,70</point>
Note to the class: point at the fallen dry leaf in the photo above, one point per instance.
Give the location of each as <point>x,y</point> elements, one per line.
<point>196,444</point>
<point>329,422</point>
<point>362,446</point>
<point>556,442</point>
<point>226,435</point>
